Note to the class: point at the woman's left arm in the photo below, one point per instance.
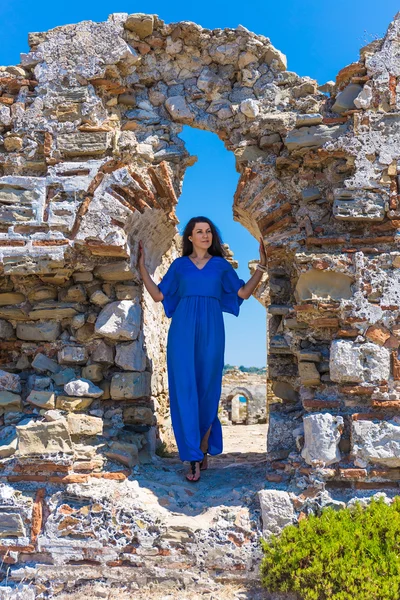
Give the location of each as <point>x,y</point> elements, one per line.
<point>246,290</point>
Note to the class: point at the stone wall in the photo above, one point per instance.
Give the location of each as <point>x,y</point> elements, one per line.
<point>91,162</point>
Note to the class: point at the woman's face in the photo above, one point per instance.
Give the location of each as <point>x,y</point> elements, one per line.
<point>201,235</point>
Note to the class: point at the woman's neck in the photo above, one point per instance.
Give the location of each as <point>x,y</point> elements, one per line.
<point>200,254</point>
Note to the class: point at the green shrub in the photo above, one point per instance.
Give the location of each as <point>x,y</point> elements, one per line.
<point>350,554</point>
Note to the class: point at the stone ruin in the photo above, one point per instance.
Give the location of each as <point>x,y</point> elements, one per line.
<point>252,387</point>
<point>90,162</point>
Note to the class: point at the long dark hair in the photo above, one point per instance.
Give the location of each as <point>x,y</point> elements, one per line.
<point>216,248</point>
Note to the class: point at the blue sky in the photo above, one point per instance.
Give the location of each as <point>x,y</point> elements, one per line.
<point>319,38</point>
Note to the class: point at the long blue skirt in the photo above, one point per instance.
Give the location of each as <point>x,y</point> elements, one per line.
<point>195,361</point>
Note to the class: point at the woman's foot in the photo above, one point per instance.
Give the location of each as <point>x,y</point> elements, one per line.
<point>194,474</point>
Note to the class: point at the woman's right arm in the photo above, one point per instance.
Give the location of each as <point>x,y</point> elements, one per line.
<point>151,287</point>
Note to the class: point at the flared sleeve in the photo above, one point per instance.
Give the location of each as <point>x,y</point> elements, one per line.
<point>231,283</point>
<point>169,286</point>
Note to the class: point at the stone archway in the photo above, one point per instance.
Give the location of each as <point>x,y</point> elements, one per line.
<point>91,161</point>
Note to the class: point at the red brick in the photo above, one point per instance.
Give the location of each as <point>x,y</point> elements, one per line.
<point>395,366</point>
<point>372,485</point>
<point>37,514</point>
<point>356,390</point>
<point>378,335</point>
<point>347,333</point>
<point>388,404</point>
<point>321,403</point>
<point>368,416</point>
<point>352,473</point>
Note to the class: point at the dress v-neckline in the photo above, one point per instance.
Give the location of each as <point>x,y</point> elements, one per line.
<point>210,259</point>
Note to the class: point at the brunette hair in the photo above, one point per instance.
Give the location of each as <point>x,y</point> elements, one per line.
<point>216,248</point>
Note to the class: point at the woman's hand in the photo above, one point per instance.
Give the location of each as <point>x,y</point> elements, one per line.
<point>263,254</point>
<point>140,262</point>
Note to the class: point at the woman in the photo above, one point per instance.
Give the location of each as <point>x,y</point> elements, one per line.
<point>196,289</point>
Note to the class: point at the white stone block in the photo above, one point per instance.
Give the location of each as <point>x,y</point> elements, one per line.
<point>321,438</point>
<point>276,511</point>
<point>377,443</point>
<point>351,362</point>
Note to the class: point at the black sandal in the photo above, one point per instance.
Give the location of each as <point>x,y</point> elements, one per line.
<point>193,468</point>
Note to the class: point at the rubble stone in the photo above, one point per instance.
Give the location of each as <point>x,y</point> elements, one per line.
<point>38,438</point>
<point>84,425</point>
<point>10,382</point>
<point>351,362</point>
<point>376,443</point>
<point>322,434</point>
<point>130,357</point>
<point>9,401</point>
<point>119,320</point>
<point>82,387</point>
<point>47,331</point>
<point>41,399</point>
<point>11,525</point>
<point>276,511</point>
<point>130,385</point>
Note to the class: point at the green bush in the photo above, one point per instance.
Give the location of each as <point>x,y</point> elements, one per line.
<point>350,554</point>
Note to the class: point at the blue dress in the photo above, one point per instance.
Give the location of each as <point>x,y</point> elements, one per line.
<point>195,299</point>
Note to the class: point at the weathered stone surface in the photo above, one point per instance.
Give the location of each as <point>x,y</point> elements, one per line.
<point>130,357</point>
<point>93,373</point>
<point>345,99</point>
<point>73,355</point>
<point>282,433</point>
<point>119,320</point>
<point>328,285</point>
<point>99,298</point>
<point>37,438</point>
<point>307,137</point>
<point>82,387</point>
<point>322,434</point>
<point>84,425</point>
<point>10,382</point>
<point>123,452</point>
<point>139,415</point>
<point>11,298</point>
<point>130,385</point>
<point>127,292</point>
<point>41,399</point>
<point>103,354</point>
<point>178,109</point>
<point>9,401</point>
<point>69,403</point>
<point>47,331</point>
<point>75,293</point>
<point>351,206</point>
<point>276,511</point>
<point>285,391</point>
<point>141,24</point>
<point>83,144</point>
<point>43,363</point>
<point>11,525</point>
<point>376,443</point>
<point>53,310</point>
<point>310,194</point>
<point>8,444</point>
<point>351,362</point>
<point>117,271</point>
<point>250,108</point>
<point>309,374</point>
<point>6,330</point>
<point>63,376</point>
